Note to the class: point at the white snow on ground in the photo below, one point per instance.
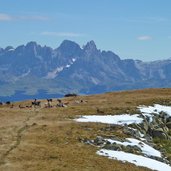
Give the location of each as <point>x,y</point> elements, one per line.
<point>146,149</point>
<point>150,116</point>
<point>109,119</point>
<point>67,66</point>
<point>54,73</point>
<point>25,74</point>
<point>11,49</point>
<point>73,59</point>
<point>155,109</point>
<point>135,159</point>
<point>94,80</point>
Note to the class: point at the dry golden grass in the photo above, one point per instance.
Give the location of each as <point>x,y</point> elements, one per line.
<point>47,139</point>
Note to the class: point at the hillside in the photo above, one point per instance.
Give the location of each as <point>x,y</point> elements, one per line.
<point>48,138</point>
<point>35,71</point>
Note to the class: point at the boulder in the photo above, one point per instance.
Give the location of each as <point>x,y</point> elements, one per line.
<point>99,140</point>
<point>159,133</point>
<point>132,149</point>
<point>131,131</point>
<point>144,126</point>
<point>163,115</point>
<point>114,146</point>
<point>168,124</point>
<point>166,129</point>
<point>168,119</point>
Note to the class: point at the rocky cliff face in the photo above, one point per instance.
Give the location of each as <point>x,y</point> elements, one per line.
<point>70,68</point>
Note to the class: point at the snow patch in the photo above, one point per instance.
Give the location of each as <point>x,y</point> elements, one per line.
<point>135,159</point>
<point>73,59</point>
<point>25,74</point>
<point>11,49</point>
<point>156,109</point>
<point>146,149</point>
<point>67,66</point>
<point>54,73</point>
<point>109,119</point>
<point>95,81</point>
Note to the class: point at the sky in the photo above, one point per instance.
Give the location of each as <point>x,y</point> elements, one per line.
<point>137,29</point>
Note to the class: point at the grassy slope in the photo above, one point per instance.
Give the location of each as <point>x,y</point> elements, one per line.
<point>48,140</point>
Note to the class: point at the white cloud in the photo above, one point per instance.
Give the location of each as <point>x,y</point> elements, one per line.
<point>158,19</point>
<point>34,17</point>
<point>144,38</point>
<point>62,34</point>
<point>5,17</point>
<point>143,20</point>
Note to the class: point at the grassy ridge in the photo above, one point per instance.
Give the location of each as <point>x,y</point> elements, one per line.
<point>48,139</point>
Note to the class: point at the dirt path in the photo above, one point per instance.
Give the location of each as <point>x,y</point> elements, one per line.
<point>23,128</point>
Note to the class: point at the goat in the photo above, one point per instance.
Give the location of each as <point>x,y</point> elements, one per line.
<point>36,103</point>
<point>49,100</point>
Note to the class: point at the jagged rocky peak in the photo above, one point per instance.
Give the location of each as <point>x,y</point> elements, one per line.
<point>90,46</point>
<point>20,48</point>
<point>32,49</point>
<point>68,45</point>
<point>31,44</point>
<point>69,49</point>
<point>9,48</point>
<point>1,49</point>
<point>110,54</point>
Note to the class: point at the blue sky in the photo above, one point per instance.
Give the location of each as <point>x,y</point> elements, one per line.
<point>138,29</point>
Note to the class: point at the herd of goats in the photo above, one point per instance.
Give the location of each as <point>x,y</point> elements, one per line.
<point>48,104</point>
<point>37,103</point>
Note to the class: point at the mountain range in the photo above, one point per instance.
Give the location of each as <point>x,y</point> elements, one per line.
<point>35,71</point>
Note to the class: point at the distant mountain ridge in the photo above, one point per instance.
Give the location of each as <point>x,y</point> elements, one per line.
<point>32,69</point>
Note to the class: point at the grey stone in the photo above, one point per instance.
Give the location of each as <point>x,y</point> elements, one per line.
<point>159,133</point>
<point>168,119</point>
<point>114,146</point>
<point>99,140</point>
<point>168,124</point>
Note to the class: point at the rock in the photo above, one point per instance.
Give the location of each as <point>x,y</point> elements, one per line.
<point>160,122</point>
<point>131,131</point>
<point>99,140</point>
<point>168,124</point>
<point>157,158</point>
<point>136,148</point>
<point>168,119</point>
<point>163,115</point>
<point>148,119</point>
<point>159,133</point>
<point>108,142</point>
<point>145,124</point>
<point>132,149</point>
<point>113,146</point>
<point>166,129</point>
<point>148,138</point>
